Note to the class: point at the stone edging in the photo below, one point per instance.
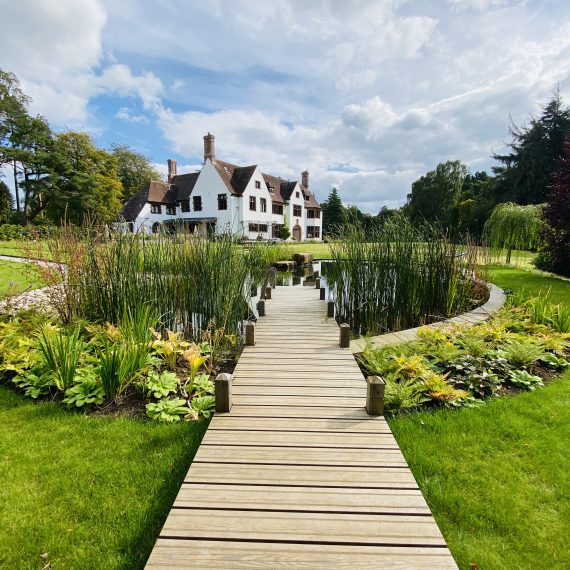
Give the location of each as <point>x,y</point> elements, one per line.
<point>480,314</point>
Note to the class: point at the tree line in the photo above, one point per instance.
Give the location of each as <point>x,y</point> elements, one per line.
<point>534,171</point>
<point>60,175</point>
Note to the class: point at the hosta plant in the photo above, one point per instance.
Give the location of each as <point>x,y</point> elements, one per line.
<point>158,386</point>
<point>203,386</point>
<point>554,361</point>
<point>524,379</point>
<point>168,411</point>
<point>86,392</point>
<point>203,405</point>
<point>34,384</point>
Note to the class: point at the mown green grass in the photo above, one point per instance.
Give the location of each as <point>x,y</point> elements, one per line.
<point>531,281</point>
<point>497,478</point>
<point>90,492</point>
<point>16,277</point>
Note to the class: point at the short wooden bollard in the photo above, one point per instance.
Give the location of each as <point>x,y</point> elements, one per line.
<point>261,308</point>
<point>344,341</point>
<point>330,309</point>
<point>316,273</point>
<point>223,391</point>
<point>249,334</point>
<point>375,386</point>
<point>323,293</point>
<point>317,283</point>
<point>268,292</point>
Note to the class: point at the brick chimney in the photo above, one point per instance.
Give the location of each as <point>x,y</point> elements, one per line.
<point>209,147</point>
<point>305,178</point>
<point>171,169</point>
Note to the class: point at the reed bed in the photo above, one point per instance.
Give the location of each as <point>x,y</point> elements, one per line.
<point>400,277</point>
<point>194,284</point>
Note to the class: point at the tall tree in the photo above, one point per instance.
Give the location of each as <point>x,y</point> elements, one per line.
<point>6,203</point>
<point>435,196</point>
<point>13,111</point>
<point>525,173</point>
<point>557,216</point>
<point>514,226</point>
<point>135,169</point>
<point>89,182</point>
<point>334,213</point>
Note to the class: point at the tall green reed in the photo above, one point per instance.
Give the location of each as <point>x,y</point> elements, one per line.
<point>399,277</point>
<point>190,281</point>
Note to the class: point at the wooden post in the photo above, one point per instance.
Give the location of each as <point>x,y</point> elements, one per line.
<point>375,386</point>
<point>261,308</point>
<point>268,292</point>
<point>223,391</point>
<point>317,283</point>
<point>323,293</point>
<point>330,309</point>
<point>316,273</point>
<point>249,334</point>
<point>344,341</point>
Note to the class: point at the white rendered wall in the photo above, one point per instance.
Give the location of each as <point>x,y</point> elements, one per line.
<point>257,216</point>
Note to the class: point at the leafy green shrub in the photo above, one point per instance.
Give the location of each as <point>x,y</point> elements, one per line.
<point>11,231</point>
<point>560,318</point>
<point>61,353</point>
<point>403,396</point>
<point>121,363</point>
<point>522,353</point>
<point>168,410</point>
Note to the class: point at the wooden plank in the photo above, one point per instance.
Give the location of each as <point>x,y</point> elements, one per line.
<point>186,554</point>
<point>314,383</point>
<point>234,422</point>
<point>304,401</point>
<point>268,497</point>
<point>369,477</point>
<point>258,455</point>
<point>285,411</point>
<point>307,527</point>
<point>300,438</point>
<point>324,390</point>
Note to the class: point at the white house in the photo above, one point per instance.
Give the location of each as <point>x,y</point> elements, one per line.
<point>224,197</point>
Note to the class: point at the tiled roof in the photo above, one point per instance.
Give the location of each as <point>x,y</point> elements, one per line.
<point>134,205</point>
<point>184,184</point>
<point>235,177</point>
<point>161,193</point>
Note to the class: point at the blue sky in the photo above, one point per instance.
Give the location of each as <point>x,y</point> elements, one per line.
<point>367,95</point>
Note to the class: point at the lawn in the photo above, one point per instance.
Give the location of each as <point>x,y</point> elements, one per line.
<point>16,277</point>
<point>497,478</point>
<point>91,492</point>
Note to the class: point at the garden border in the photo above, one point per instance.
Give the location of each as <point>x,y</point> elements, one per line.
<point>495,302</point>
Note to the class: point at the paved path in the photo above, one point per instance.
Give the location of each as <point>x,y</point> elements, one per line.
<point>298,475</point>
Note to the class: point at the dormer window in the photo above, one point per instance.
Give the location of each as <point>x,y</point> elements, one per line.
<point>272,189</point>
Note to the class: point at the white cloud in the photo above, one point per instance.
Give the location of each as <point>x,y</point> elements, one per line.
<point>125,114</point>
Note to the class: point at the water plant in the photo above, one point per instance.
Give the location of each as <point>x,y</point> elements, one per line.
<point>400,276</point>
<point>189,281</point>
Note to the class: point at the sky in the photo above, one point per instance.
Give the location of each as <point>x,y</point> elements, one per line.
<point>368,95</point>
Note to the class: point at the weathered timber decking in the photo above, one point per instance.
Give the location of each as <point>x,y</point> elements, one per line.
<point>298,475</point>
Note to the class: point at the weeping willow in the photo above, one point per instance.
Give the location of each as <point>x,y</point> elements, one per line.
<point>512,226</point>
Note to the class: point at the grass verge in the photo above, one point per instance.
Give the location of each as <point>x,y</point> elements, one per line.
<point>16,277</point>
<point>90,492</point>
<point>497,478</point>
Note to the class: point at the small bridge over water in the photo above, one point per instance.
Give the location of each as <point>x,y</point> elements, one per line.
<point>298,475</point>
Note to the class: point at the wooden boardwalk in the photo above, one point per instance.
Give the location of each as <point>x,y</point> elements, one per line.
<point>298,475</point>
